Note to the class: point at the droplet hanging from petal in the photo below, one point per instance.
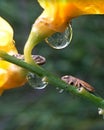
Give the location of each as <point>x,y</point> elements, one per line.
<point>36,82</point>
<point>60,40</point>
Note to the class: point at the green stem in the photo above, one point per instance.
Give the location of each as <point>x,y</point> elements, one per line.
<point>54,80</point>
<point>38,33</point>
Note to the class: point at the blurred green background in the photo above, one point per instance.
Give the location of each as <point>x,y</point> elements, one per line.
<point>28,109</point>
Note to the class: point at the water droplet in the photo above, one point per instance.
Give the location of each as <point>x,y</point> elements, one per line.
<point>57,88</point>
<point>61,90</point>
<point>36,82</point>
<point>60,40</point>
<point>101,112</point>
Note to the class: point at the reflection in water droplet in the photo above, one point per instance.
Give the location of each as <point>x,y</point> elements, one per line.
<point>60,40</point>
<point>36,82</point>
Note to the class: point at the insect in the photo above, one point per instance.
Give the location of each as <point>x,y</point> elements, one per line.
<point>77,82</point>
<point>40,60</point>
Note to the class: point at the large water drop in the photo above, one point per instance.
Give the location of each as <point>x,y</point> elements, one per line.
<point>60,40</point>
<point>36,82</point>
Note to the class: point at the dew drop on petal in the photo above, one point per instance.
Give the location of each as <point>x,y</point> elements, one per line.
<point>36,82</point>
<point>60,40</point>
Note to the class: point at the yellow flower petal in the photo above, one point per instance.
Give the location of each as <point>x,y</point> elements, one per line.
<point>3,76</point>
<point>16,77</point>
<point>11,76</point>
<point>4,25</point>
<point>55,18</point>
<point>6,37</point>
<point>57,13</point>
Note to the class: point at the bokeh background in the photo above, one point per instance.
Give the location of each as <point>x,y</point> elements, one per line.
<point>28,109</point>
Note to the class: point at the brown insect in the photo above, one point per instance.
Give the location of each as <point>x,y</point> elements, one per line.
<point>77,82</point>
<point>40,60</point>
